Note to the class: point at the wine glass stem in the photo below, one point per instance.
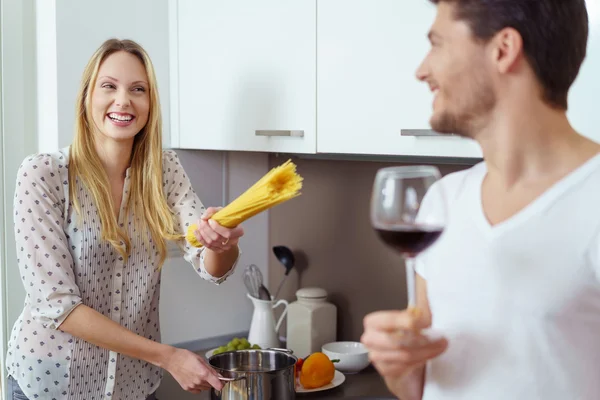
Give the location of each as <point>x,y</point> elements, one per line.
<point>411,287</point>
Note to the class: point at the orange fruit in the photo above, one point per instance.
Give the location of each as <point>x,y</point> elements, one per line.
<point>317,370</point>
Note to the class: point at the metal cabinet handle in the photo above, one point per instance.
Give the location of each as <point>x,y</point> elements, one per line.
<point>422,132</point>
<point>279,133</point>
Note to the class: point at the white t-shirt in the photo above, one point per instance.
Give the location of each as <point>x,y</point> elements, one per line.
<point>520,301</point>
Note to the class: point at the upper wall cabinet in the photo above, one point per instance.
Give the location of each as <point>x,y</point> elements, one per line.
<point>369,100</point>
<point>320,76</point>
<point>243,75</point>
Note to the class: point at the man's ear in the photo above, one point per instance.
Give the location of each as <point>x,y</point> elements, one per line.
<point>507,49</point>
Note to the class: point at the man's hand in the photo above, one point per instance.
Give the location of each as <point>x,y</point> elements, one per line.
<point>397,349</point>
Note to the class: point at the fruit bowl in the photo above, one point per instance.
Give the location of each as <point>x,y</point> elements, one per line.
<point>353,356</point>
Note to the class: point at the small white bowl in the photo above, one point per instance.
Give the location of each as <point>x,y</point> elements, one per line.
<point>353,356</point>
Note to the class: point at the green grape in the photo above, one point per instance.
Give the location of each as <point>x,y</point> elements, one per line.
<point>235,342</point>
<point>240,347</point>
<point>244,341</point>
<point>255,346</point>
<point>220,350</point>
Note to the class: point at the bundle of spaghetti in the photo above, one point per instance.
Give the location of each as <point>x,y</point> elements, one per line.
<point>280,184</point>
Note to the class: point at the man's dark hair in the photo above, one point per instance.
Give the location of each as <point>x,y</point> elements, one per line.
<point>554,32</point>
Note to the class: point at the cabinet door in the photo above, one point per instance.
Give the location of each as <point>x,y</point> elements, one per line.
<point>367,93</point>
<point>584,111</point>
<point>245,75</point>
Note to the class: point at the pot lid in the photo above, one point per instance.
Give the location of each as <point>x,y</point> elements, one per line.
<point>311,293</point>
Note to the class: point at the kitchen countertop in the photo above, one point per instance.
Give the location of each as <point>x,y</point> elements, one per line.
<point>366,384</point>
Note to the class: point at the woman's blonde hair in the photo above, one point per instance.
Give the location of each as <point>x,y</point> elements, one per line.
<point>146,197</point>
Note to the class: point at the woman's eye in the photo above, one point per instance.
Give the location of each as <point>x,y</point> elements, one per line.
<point>108,86</point>
<point>139,89</point>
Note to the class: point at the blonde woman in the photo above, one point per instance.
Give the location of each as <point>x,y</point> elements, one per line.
<point>91,223</point>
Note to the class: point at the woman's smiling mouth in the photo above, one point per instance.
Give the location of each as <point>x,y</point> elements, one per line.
<point>120,119</point>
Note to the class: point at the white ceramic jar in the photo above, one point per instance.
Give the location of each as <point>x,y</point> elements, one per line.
<point>311,322</point>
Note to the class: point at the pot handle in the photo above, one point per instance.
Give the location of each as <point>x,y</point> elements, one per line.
<point>223,379</point>
<point>289,351</point>
<point>226,381</point>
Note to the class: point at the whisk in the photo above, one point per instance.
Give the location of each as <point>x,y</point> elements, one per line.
<point>253,280</point>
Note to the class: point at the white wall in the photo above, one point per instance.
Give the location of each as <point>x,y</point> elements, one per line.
<point>18,136</point>
<point>18,131</point>
<point>69,32</point>
<point>191,308</point>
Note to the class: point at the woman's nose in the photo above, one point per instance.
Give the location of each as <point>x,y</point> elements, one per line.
<point>122,99</point>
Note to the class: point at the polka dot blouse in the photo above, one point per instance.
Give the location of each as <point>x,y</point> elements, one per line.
<point>64,263</point>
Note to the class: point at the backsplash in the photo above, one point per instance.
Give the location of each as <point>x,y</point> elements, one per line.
<point>329,231</point>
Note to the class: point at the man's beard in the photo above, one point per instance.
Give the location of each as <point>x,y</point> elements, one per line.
<point>464,123</point>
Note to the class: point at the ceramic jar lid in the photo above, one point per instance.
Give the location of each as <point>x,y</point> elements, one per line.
<point>311,293</point>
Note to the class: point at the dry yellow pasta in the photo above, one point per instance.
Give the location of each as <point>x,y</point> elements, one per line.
<point>280,184</point>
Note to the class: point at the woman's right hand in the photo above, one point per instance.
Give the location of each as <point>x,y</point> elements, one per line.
<point>392,355</point>
<point>192,372</point>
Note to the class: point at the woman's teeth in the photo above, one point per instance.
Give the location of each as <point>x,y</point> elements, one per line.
<point>117,117</point>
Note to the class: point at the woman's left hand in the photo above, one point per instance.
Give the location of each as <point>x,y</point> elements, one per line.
<point>214,236</point>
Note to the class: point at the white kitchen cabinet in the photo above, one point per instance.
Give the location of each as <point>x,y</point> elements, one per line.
<point>341,73</point>
<point>243,75</point>
<point>367,93</point>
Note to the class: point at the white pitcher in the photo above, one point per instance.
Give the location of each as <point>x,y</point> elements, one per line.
<point>263,329</point>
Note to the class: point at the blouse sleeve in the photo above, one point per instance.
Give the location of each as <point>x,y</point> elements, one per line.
<point>45,262</point>
<point>188,209</point>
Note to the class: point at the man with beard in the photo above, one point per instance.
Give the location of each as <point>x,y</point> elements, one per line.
<point>513,283</point>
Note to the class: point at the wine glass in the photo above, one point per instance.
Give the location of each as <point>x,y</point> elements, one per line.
<point>397,196</point>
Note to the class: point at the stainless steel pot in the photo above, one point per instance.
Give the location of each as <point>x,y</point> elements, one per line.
<point>255,375</point>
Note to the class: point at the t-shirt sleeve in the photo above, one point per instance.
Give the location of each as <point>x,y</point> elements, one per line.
<point>431,213</point>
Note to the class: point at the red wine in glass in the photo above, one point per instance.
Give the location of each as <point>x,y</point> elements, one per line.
<point>396,199</point>
<point>410,240</point>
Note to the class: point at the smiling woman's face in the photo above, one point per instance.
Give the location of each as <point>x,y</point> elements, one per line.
<point>120,98</point>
